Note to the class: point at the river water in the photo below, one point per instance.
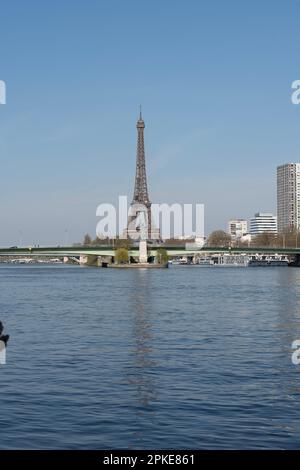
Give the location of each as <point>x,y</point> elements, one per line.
<point>186,357</point>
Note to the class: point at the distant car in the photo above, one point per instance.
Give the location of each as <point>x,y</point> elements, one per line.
<point>13,247</point>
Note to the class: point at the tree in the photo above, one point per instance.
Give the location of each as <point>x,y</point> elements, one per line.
<point>87,240</point>
<point>162,256</point>
<point>289,238</point>
<point>123,243</point>
<point>121,255</point>
<point>219,238</point>
<point>96,241</point>
<point>264,239</point>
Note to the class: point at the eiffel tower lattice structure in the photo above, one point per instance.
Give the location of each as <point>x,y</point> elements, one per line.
<point>140,208</point>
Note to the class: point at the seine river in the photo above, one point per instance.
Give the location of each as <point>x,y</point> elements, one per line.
<point>186,357</point>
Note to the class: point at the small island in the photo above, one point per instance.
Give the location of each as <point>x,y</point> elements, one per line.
<point>124,261</point>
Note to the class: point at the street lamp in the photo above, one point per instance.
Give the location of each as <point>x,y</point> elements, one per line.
<point>66,237</point>
<point>20,238</point>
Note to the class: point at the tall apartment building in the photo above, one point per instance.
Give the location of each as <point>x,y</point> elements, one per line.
<point>288,196</point>
<point>263,222</point>
<point>237,228</point>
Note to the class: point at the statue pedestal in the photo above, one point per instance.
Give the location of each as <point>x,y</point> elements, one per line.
<point>143,256</point>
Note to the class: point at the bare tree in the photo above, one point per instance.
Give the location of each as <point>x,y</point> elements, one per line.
<point>87,239</point>
<point>264,239</point>
<point>219,238</point>
<point>289,238</point>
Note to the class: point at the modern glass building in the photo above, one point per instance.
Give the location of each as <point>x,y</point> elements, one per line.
<point>263,222</point>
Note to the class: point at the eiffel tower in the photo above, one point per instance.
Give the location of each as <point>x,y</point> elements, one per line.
<point>141,206</point>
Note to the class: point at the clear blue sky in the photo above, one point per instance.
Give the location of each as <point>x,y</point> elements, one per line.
<point>214,79</point>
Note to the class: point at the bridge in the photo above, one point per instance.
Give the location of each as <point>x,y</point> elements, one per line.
<point>173,251</point>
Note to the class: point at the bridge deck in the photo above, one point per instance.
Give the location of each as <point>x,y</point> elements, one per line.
<point>109,251</point>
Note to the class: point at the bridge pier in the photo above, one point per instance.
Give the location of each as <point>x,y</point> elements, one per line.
<point>143,255</point>
<point>83,259</point>
<point>105,259</point>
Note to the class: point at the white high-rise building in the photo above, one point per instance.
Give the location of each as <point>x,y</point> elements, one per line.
<point>237,228</point>
<point>288,196</point>
<point>263,222</point>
